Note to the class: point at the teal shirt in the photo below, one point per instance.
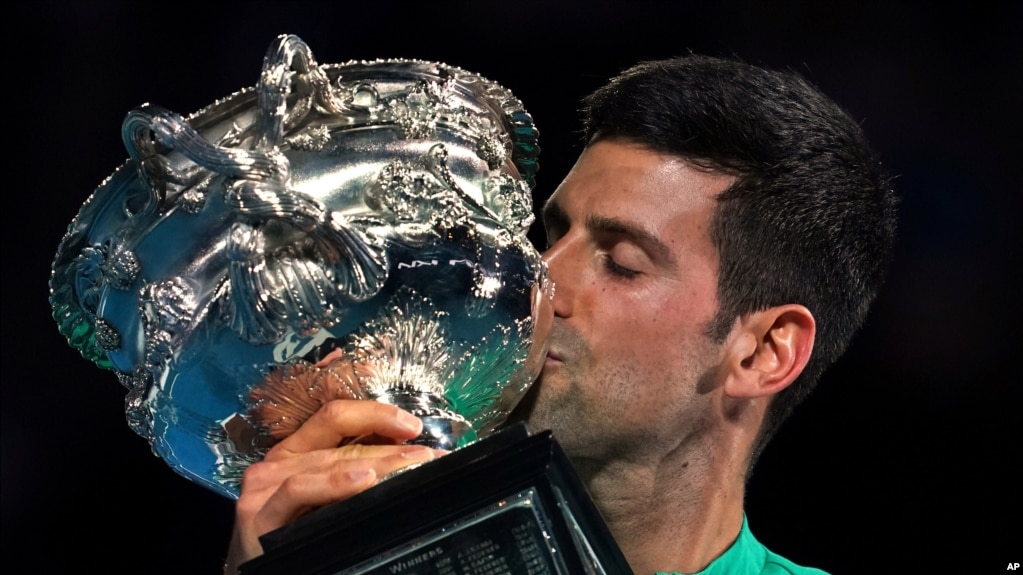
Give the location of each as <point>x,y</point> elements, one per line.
<point>747,556</point>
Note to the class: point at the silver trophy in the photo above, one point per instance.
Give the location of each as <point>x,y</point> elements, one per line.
<point>338,231</point>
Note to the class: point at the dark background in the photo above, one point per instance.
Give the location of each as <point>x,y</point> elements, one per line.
<point>906,457</point>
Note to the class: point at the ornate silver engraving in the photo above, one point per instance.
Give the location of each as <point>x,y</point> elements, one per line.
<point>122,268</point>
<point>166,309</point>
<point>99,266</point>
<point>405,349</point>
<point>416,114</point>
<point>293,213</point>
<point>106,335</point>
<point>313,139</point>
<point>138,415</point>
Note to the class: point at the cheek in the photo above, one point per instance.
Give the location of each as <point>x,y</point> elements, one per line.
<point>660,317</point>
<point>654,337</point>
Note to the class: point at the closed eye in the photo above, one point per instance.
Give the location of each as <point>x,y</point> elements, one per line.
<point>615,269</point>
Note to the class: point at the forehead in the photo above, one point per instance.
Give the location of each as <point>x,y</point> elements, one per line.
<point>662,194</point>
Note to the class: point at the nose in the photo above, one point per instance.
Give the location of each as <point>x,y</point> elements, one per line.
<point>559,263</point>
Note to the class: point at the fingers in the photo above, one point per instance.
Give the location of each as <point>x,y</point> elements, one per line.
<point>300,493</point>
<point>343,418</point>
<point>276,493</point>
<point>341,480</point>
<point>308,469</point>
<point>381,458</point>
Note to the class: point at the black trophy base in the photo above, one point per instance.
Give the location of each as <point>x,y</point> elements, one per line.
<point>507,504</point>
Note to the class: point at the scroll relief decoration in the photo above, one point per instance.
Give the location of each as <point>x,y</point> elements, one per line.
<point>283,242</point>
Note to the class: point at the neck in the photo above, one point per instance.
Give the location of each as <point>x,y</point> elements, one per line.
<point>678,515</point>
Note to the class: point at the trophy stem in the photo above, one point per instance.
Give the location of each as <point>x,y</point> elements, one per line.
<point>442,428</point>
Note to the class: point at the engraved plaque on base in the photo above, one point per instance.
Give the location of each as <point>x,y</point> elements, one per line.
<point>507,504</point>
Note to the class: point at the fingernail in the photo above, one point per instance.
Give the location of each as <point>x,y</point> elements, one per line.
<point>359,474</point>
<point>419,453</point>
<point>409,422</point>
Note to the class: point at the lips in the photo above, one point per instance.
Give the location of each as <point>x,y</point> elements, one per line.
<point>564,344</point>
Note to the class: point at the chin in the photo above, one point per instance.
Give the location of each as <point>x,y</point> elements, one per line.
<point>524,409</point>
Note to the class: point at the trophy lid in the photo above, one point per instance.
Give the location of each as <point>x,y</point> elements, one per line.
<point>285,216</point>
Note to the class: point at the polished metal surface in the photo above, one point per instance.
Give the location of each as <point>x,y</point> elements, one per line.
<point>379,209</point>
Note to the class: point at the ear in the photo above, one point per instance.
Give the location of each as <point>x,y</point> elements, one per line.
<point>768,350</point>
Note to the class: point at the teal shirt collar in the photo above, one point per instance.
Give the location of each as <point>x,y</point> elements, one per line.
<point>747,556</point>
<point>744,555</point>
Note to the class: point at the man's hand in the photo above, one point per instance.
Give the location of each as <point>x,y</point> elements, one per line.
<point>307,469</point>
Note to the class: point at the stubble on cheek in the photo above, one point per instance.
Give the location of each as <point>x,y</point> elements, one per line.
<point>557,405</point>
<point>591,407</point>
<point>586,411</point>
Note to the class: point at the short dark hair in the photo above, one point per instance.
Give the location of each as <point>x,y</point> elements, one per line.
<point>811,216</point>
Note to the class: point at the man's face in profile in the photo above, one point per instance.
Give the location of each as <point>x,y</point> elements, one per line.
<point>635,276</point>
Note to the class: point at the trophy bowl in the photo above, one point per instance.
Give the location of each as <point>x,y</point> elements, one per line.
<point>351,230</point>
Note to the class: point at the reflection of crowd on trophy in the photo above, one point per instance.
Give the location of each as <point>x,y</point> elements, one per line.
<point>714,249</point>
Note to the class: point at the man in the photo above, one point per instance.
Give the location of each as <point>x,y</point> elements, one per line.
<point>715,247</point>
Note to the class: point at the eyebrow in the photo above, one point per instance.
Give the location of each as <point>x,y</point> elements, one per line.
<point>552,212</point>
